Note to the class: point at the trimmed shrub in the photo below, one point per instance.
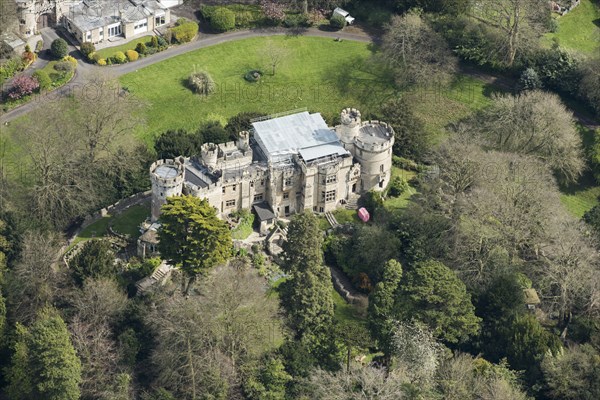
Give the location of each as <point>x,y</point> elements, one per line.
<point>201,83</point>
<point>161,41</point>
<point>119,58</point>
<point>529,80</point>
<point>23,85</point>
<point>59,48</point>
<point>132,55</point>
<point>39,46</point>
<point>296,21</point>
<point>27,48</point>
<point>64,67</point>
<point>337,22</point>
<point>154,41</point>
<point>43,79</point>
<point>28,57</point>
<point>87,48</point>
<point>222,19</point>
<point>151,50</point>
<point>253,75</point>
<point>397,187</point>
<point>141,48</point>
<point>184,32</point>
<point>71,60</point>
<point>101,62</point>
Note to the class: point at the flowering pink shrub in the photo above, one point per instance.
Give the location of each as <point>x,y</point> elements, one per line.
<point>273,11</point>
<point>23,85</point>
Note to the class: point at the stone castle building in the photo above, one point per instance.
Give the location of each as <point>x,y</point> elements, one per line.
<point>289,164</point>
<point>95,21</point>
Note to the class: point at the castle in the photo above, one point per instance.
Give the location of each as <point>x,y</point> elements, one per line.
<point>291,163</point>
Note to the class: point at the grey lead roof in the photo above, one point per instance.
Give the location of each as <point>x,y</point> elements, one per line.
<point>281,137</point>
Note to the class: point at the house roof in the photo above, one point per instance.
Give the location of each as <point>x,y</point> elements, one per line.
<point>531,296</point>
<point>263,211</point>
<point>280,138</point>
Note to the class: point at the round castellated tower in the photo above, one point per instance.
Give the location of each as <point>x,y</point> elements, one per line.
<point>349,128</point>
<point>167,180</point>
<point>210,154</point>
<point>373,147</point>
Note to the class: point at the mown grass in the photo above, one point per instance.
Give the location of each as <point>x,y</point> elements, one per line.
<point>344,312</point>
<point>317,73</point>
<point>129,221</point>
<point>396,203</point>
<point>580,29</point>
<point>110,51</point>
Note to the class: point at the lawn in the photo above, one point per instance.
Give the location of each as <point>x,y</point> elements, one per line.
<point>110,51</point>
<point>395,203</point>
<point>244,229</point>
<point>128,222</point>
<point>317,73</point>
<point>345,312</point>
<point>580,29</point>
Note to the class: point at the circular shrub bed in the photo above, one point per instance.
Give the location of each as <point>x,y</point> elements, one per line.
<point>253,75</point>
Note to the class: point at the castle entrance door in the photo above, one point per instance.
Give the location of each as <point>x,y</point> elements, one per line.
<point>45,20</point>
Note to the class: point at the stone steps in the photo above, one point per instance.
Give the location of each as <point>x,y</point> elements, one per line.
<point>331,219</point>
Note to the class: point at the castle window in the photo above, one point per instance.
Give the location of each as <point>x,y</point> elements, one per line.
<point>230,203</point>
<point>328,196</point>
<point>251,183</point>
<point>381,168</point>
<point>258,197</point>
<point>286,195</point>
<point>360,151</point>
<point>262,182</point>
<point>331,179</point>
<point>233,187</point>
<point>223,189</point>
<point>315,208</point>
<point>321,209</point>
<point>288,182</point>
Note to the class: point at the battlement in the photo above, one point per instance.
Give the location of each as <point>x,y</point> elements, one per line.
<point>167,172</point>
<point>375,136</point>
<point>350,116</point>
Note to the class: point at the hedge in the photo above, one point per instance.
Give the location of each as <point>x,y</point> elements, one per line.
<point>185,32</point>
<point>222,19</point>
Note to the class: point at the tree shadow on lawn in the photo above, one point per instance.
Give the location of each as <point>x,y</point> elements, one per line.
<point>362,79</point>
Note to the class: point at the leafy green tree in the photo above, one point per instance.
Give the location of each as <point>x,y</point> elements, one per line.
<point>175,143</point>
<point>434,295</point>
<point>306,295</point>
<point>44,364</point>
<point>573,374</point>
<point>526,344</point>
<point>269,381</point>
<point>59,48</point>
<point>213,132</point>
<point>192,237</point>
<point>382,302</point>
<point>96,259</point>
<point>241,122</point>
<point>412,140</point>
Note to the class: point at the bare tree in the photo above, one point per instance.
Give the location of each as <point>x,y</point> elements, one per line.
<point>534,123</point>
<point>418,53</point>
<point>36,278</point>
<point>8,16</point>
<point>273,55</point>
<point>100,301</point>
<point>203,340</point>
<point>521,21</point>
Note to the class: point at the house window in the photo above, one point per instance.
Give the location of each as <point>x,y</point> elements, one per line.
<point>89,36</point>
<point>141,25</point>
<point>286,195</point>
<point>114,30</point>
<point>331,179</point>
<point>158,21</point>
<point>258,197</point>
<point>328,196</point>
<point>230,203</point>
